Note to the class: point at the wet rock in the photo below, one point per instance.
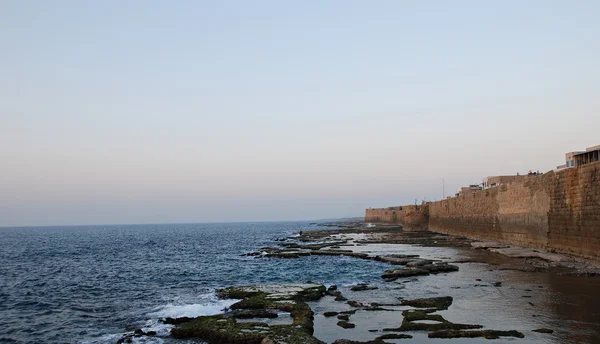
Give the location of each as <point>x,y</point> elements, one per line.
<point>377,308</point>
<point>394,260</point>
<point>411,319</point>
<point>419,262</point>
<point>344,317</point>
<point>497,284</point>
<point>362,287</point>
<point>421,270</point>
<point>487,334</point>
<point>433,302</point>
<point>348,341</point>
<point>394,336</point>
<point>340,298</point>
<point>175,321</point>
<point>333,287</point>
<point>543,330</point>
<point>377,304</point>
<point>330,314</point>
<point>127,338</point>
<point>257,301</point>
<point>345,324</point>
<point>355,304</point>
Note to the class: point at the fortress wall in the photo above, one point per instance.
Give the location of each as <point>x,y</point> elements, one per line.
<point>574,216</point>
<point>381,215</point>
<point>513,213</point>
<point>559,211</point>
<point>409,216</point>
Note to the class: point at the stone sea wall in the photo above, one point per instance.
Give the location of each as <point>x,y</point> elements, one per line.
<point>409,216</point>
<point>559,211</point>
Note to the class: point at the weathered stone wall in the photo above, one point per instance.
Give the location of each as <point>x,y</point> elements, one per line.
<point>515,213</point>
<point>382,215</point>
<point>574,216</point>
<point>409,216</point>
<point>559,211</point>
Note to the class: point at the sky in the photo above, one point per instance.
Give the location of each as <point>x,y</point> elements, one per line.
<point>115,112</point>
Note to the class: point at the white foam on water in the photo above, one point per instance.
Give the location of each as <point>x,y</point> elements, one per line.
<point>147,340</point>
<point>211,307</point>
<point>108,338</point>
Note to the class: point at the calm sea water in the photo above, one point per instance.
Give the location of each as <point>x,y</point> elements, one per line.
<point>90,284</point>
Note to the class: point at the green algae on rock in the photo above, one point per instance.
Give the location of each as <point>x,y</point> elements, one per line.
<point>411,319</point>
<point>256,302</point>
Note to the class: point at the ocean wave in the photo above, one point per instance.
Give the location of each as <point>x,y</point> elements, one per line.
<point>210,305</point>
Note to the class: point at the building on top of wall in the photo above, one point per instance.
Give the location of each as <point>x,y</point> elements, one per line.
<point>591,154</point>
<point>570,159</point>
<point>465,190</point>
<point>494,181</point>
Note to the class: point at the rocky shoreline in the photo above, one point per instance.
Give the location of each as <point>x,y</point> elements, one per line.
<point>289,313</point>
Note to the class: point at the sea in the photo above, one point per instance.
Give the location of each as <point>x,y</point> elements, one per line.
<point>92,284</point>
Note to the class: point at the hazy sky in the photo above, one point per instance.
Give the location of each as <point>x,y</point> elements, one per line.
<point>194,111</point>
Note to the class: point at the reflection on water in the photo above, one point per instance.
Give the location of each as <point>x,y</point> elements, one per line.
<point>523,301</point>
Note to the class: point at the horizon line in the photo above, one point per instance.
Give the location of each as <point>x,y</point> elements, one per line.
<point>177,223</point>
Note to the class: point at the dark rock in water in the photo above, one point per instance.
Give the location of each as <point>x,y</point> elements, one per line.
<point>487,334</point>
<point>421,270</point>
<point>333,287</point>
<point>362,286</point>
<point>176,321</point>
<point>355,303</point>
<point>128,338</point>
<point>330,314</point>
<point>433,302</point>
<point>543,330</point>
<point>497,284</point>
<point>345,317</point>
<point>345,324</point>
<point>333,292</point>
<point>411,319</point>
<point>348,341</point>
<point>340,298</point>
<point>394,336</point>
<point>377,308</point>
